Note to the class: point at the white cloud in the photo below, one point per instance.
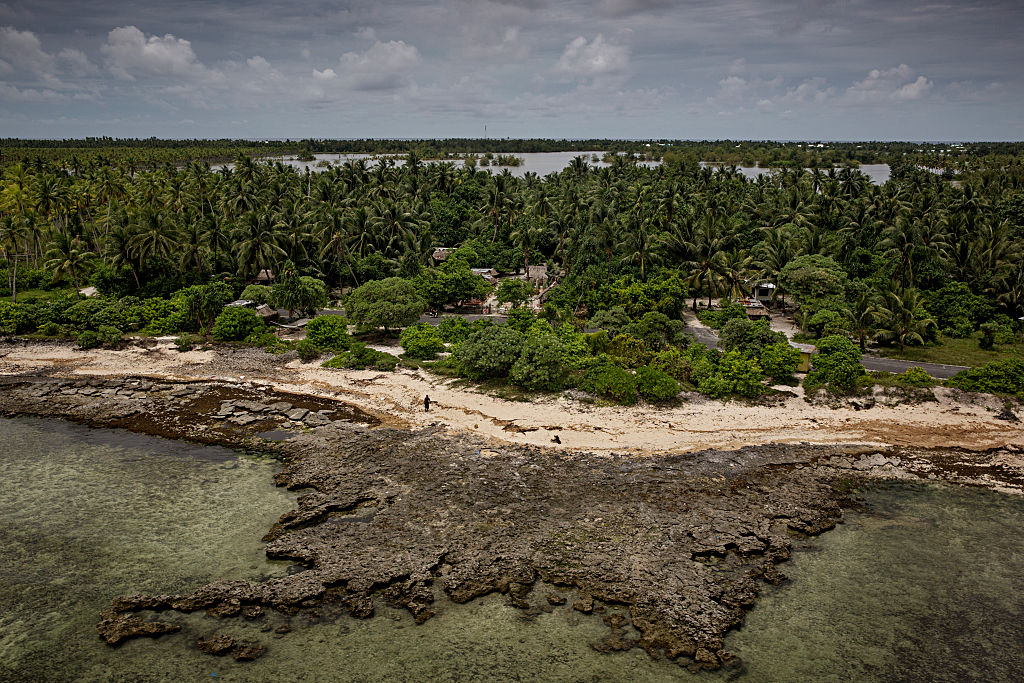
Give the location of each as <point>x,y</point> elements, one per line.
<point>128,52</point>
<point>76,63</point>
<point>384,66</point>
<point>599,57</point>
<point>325,75</point>
<point>10,93</point>
<point>897,84</point>
<point>22,50</point>
<point>622,8</point>
<point>366,33</point>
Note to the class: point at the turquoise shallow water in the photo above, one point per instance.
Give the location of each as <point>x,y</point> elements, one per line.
<point>920,586</point>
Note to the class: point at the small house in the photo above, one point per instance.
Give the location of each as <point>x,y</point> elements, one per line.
<point>536,274</point>
<point>489,274</point>
<point>264,277</point>
<point>764,291</point>
<point>441,253</point>
<point>806,351</point>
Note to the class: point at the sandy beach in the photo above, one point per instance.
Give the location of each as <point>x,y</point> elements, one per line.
<point>954,419</point>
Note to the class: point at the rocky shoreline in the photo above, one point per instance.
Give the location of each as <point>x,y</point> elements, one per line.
<point>671,549</point>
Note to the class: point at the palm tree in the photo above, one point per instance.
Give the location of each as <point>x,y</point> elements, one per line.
<point>12,233</point>
<point>256,243</point>
<point>902,317</point>
<point>861,316</point>
<point>68,255</point>
<point>155,237</point>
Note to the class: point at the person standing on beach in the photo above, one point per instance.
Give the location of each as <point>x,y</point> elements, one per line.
<point>426,403</point>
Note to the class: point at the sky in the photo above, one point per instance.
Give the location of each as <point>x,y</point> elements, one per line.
<point>636,69</point>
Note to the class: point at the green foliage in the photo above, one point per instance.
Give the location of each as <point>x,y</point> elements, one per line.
<point>50,329</point>
<point>308,351</point>
<point>631,350</point>
<point>421,341</point>
<point>539,366</point>
<point>717,318</point>
<point>88,340</point>
<point>13,318</point>
<point>576,348</point>
<point>490,352</point>
<point>815,281</point>
<point>607,379</point>
<point>109,336</point>
<point>520,319</point>
<point>235,324</point>
<point>779,361</point>
<point>664,293</point>
<point>514,291</point>
<point>258,294</point>
<point>185,342</point>
<point>613,320</point>
<point>915,377</point>
<point>362,357</point>
<point>655,385</point>
<point>452,282</point>
<point>454,329</point>
<point>597,342</point>
<point>386,304</point>
<point>201,304</point>
<point>956,310</point>
<point>749,336</point>
<point>299,293</point>
<point>997,377</point>
<point>735,375</point>
<point>329,332</point>
<point>836,364</point>
<point>658,330</point>
<point>826,322</point>
<point>987,341</point>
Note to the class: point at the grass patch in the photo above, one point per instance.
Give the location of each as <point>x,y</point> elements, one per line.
<point>950,351</point>
<point>26,295</point>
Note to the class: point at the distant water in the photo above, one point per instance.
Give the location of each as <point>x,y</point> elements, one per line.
<point>923,586</point>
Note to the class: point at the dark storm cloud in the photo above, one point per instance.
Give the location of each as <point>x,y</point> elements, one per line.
<point>628,68</point>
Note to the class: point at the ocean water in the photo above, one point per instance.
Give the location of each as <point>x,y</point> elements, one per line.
<point>920,585</point>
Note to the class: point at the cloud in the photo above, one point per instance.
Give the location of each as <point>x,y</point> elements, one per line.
<point>625,8</point>
<point>897,84</point>
<point>129,52</point>
<point>325,75</point>
<point>384,66</point>
<point>22,50</point>
<point>10,93</point>
<point>599,57</point>
<point>77,63</point>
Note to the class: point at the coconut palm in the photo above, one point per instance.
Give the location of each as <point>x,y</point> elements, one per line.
<point>902,317</point>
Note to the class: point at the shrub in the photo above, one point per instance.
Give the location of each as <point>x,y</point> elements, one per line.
<point>361,357</point>
<point>489,352</point>
<point>655,385</point>
<point>609,380</point>
<point>88,340</point>
<point>826,322</point>
<point>50,329</point>
<point>915,377</point>
<point>749,336</point>
<point>576,349</point>
<point>109,336</point>
<point>258,294</point>
<point>235,324</point>
<point>836,364</point>
<point>630,349</point>
<point>421,341</point>
<point>539,366</point>
<point>728,310</point>
<point>185,342</point>
<point>735,375</point>
<point>387,304</point>
<point>308,351</point>
<point>657,329</point>
<point>780,360</point>
<point>265,339</point>
<point>13,318</point>
<point>1001,377</point>
<point>613,320</point>
<point>454,329</point>
<point>329,332</point>
<point>520,319</point>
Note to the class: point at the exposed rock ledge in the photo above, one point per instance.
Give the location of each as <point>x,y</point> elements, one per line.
<point>672,549</point>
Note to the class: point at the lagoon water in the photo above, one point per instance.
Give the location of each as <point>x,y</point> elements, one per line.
<point>922,585</point>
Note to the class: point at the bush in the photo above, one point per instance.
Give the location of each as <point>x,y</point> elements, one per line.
<point>539,366</point>
<point>13,318</point>
<point>735,375</point>
<point>630,349</point>
<point>387,304</point>
<point>454,329</point>
<point>421,341</point>
<point>520,319</point>
<point>235,324</point>
<point>185,342</point>
<point>915,377</point>
<point>88,340</point>
<point>779,361</point>
<point>655,385</point>
<point>826,322</point>
<point>749,336</point>
<point>657,330</point>
<point>613,320</point>
<point>50,329</point>
<point>308,351</point>
<point>329,332</point>
<point>258,294</point>
<point>836,364</point>
<point>611,381</point>
<point>361,357</point>
<point>728,310</point>
<point>490,352</point>
<point>109,336</point>
<point>999,377</point>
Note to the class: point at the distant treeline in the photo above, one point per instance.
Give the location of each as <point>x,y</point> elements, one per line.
<point>152,153</point>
